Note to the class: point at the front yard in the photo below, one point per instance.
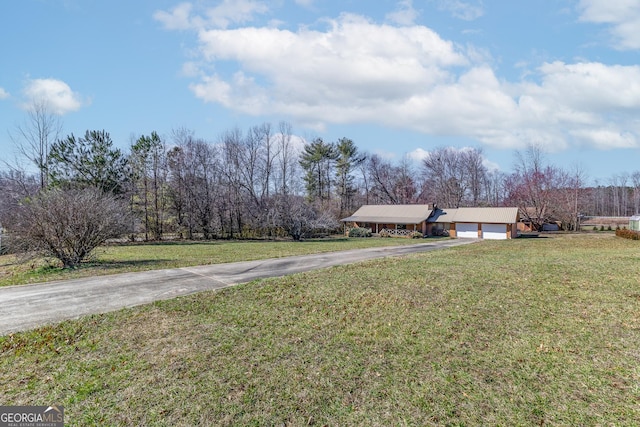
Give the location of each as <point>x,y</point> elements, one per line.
<point>522,332</point>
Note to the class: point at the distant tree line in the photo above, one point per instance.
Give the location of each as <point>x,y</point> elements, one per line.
<point>257,183</point>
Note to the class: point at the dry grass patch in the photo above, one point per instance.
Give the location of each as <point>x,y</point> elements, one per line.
<point>526,332</point>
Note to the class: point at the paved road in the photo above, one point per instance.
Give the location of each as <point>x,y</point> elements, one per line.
<point>28,306</point>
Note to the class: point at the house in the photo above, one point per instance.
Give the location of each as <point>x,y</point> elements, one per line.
<point>634,223</point>
<point>483,223</point>
<point>397,219</point>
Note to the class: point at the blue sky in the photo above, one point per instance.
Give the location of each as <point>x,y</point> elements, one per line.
<point>400,78</point>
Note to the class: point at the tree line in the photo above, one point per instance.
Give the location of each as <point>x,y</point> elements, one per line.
<point>261,183</point>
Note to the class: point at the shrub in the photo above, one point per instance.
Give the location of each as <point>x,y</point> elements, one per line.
<point>602,228</point>
<point>439,232</point>
<point>416,235</point>
<point>595,228</point>
<point>67,224</point>
<point>384,233</point>
<point>360,232</point>
<point>628,234</point>
<point>609,228</point>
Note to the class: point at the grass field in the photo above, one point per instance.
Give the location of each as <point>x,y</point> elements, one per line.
<point>152,256</point>
<point>522,332</point>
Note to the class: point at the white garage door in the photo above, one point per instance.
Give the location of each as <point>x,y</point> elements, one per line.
<point>467,231</point>
<point>494,231</point>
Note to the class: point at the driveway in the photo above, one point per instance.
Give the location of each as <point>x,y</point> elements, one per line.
<point>28,306</point>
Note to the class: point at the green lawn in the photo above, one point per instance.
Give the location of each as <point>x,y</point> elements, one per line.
<point>522,332</point>
<point>152,256</point>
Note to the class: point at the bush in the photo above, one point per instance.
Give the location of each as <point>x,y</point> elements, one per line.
<point>602,228</point>
<point>384,233</point>
<point>609,228</point>
<point>67,224</point>
<point>416,235</point>
<point>628,234</point>
<point>360,232</point>
<point>440,232</point>
<point>595,228</point>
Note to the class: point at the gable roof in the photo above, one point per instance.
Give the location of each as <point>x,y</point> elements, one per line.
<point>392,214</point>
<point>487,215</point>
<point>415,214</point>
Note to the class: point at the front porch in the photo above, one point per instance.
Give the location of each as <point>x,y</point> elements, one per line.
<point>394,230</point>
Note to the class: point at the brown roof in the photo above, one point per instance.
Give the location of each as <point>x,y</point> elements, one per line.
<point>487,215</point>
<point>415,214</point>
<point>392,214</point>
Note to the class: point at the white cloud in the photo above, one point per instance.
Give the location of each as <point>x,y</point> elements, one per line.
<point>592,86</point>
<point>57,94</point>
<point>405,14</point>
<point>464,10</point>
<point>184,17</point>
<point>179,18</point>
<point>3,93</point>
<point>491,166</point>
<point>622,15</point>
<point>355,64</point>
<point>418,154</point>
<point>408,77</point>
<point>606,139</point>
<point>235,12</point>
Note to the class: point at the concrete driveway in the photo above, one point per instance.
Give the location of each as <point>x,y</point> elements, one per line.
<point>28,306</point>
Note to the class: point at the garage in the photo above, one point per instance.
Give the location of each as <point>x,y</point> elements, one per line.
<point>494,231</point>
<point>467,231</point>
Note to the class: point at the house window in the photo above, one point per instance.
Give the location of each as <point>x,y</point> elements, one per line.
<point>401,226</point>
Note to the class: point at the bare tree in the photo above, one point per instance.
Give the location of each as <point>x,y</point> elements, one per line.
<point>194,178</point>
<point>577,180</point>
<point>405,187</point>
<point>149,173</point>
<point>494,191</point>
<point>536,187</point>
<point>298,218</point>
<point>635,179</point>
<point>286,161</point>
<point>34,137</point>
<point>476,174</point>
<point>392,184</point>
<point>382,180</point>
<point>455,177</point>
<point>67,224</point>
<point>15,185</point>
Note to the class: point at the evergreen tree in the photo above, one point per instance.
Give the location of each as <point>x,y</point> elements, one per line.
<point>348,160</point>
<point>318,160</point>
<point>88,162</point>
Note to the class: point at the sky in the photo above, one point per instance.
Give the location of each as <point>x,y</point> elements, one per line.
<point>398,77</point>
